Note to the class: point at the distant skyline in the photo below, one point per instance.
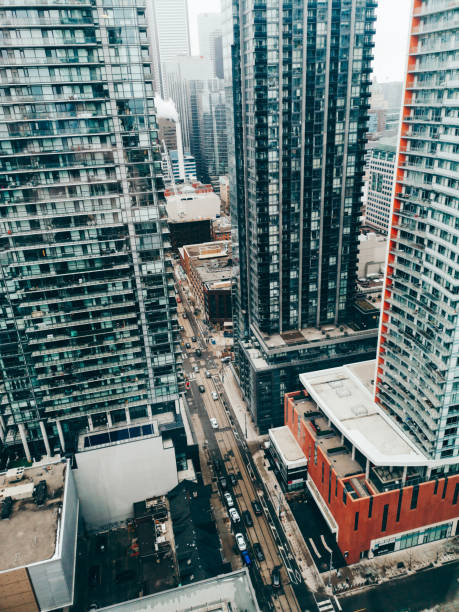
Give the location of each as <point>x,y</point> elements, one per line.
<point>390,40</point>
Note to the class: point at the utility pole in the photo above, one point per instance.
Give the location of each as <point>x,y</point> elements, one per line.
<point>330,569</point>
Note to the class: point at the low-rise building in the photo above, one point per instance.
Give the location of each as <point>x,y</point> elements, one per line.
<point>208,269</point>
<point>221,228</point>
<point>38,534</point>
<point>190,209</point>
<point>288,457</point>
<point>376,489</point>
<point>232,592</point>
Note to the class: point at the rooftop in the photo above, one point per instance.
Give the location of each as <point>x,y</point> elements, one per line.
<point>288,447</point>
<point>212,262</point>
<point>345,396</point>
<point>192,203</point>
<point>30,534</point>
<point>231,591</point>
<point>292,339</point>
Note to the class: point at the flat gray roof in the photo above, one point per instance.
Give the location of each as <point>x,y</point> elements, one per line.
<point>288,447</point>
<point>345,396</point>
<point>30,534</point>
<point>223,593</point>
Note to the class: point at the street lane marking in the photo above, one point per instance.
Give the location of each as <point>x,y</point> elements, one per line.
<point>311,542</point>
<point>325,544</point>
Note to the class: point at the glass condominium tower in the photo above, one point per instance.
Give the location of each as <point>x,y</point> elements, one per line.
<point>300,76</point>
<point>418,374</point>
<point>88,330</point>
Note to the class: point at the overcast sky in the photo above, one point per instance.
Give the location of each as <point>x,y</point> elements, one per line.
<point>390,39</point>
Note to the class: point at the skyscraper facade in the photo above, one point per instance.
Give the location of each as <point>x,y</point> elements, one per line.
<point>170,35</point>
<point>418,376</point>
<point>88,332</point>
<point>299,107</point>
<point>210,40</point>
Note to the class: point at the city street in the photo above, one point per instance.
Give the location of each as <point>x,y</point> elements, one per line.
<point>228,454</point>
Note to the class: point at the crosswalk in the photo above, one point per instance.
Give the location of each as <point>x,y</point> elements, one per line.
<point>326,605</point>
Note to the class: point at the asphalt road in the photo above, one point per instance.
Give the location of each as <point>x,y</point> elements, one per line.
<point>420,591</point>
<point>229,454</point>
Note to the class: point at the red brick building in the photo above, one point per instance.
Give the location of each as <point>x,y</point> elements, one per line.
<point>378,492</point>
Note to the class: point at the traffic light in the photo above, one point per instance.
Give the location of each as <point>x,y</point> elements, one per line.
<point>187,384</point>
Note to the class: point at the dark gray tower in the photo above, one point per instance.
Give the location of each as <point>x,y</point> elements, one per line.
<point>300,76</point>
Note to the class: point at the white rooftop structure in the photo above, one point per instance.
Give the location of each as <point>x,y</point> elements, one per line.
<point>231,592</point>
<point>190,205</point>
<point>345,395</point>
<point>287,447</point>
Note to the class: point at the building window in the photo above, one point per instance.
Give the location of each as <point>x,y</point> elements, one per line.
<point>323,469</point>
<point>370,507</point>
<point>445,486</point>
<point>384,517</point>
<point>414,497</point>
<point>399,506</point>
<point>436,486</point>
<point>344,497</point>
<point>356,521</point>
<point>456,493</point>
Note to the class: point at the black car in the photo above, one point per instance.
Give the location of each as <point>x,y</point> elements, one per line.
<point>233,479</point>
<point>275,578</point>
<point>185,316</point>
<point>188,345</point>
<point>193,338</point>
<point>198,352</point>
<point>181,328</point>
<point>258,552</point>
<point>202,389</point>
<point>247,518</point>
<point>223,483</point>
<point>257,508</point>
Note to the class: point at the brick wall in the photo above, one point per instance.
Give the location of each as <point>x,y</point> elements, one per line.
<point>434,498</point>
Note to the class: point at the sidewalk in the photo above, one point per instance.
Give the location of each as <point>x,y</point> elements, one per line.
<point>239,406</point>
<point>393,565</point>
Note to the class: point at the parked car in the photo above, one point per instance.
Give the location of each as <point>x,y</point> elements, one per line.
<point>208,374</point>
<point>258,551</point>
<point>233,479</point>
<point>193,338</point>
<point>223,483</point>
<point>214,395</point>
<point>214,422</point>
<point>240,541</point>
<point>228,499</point>
<point>196,369</point>
<point>275,578</point>
<point>187,345</point>
<point>181,328</point>
<point>198,352</point>
<point>246,557</point>
<point>234,514</point>
<point>247,518</point>
<point>185,316</point>
<point>257,508</point>
<point>202,389</point>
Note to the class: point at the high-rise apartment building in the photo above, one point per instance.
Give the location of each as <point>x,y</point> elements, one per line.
<point>380,183</point>
<point>88,333</point>
<point>395,465</point>
<point>210,40</point>
<point>418,376</point>
<point>212,131</point>
<point>300,87</point>
<point>170,35</point>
